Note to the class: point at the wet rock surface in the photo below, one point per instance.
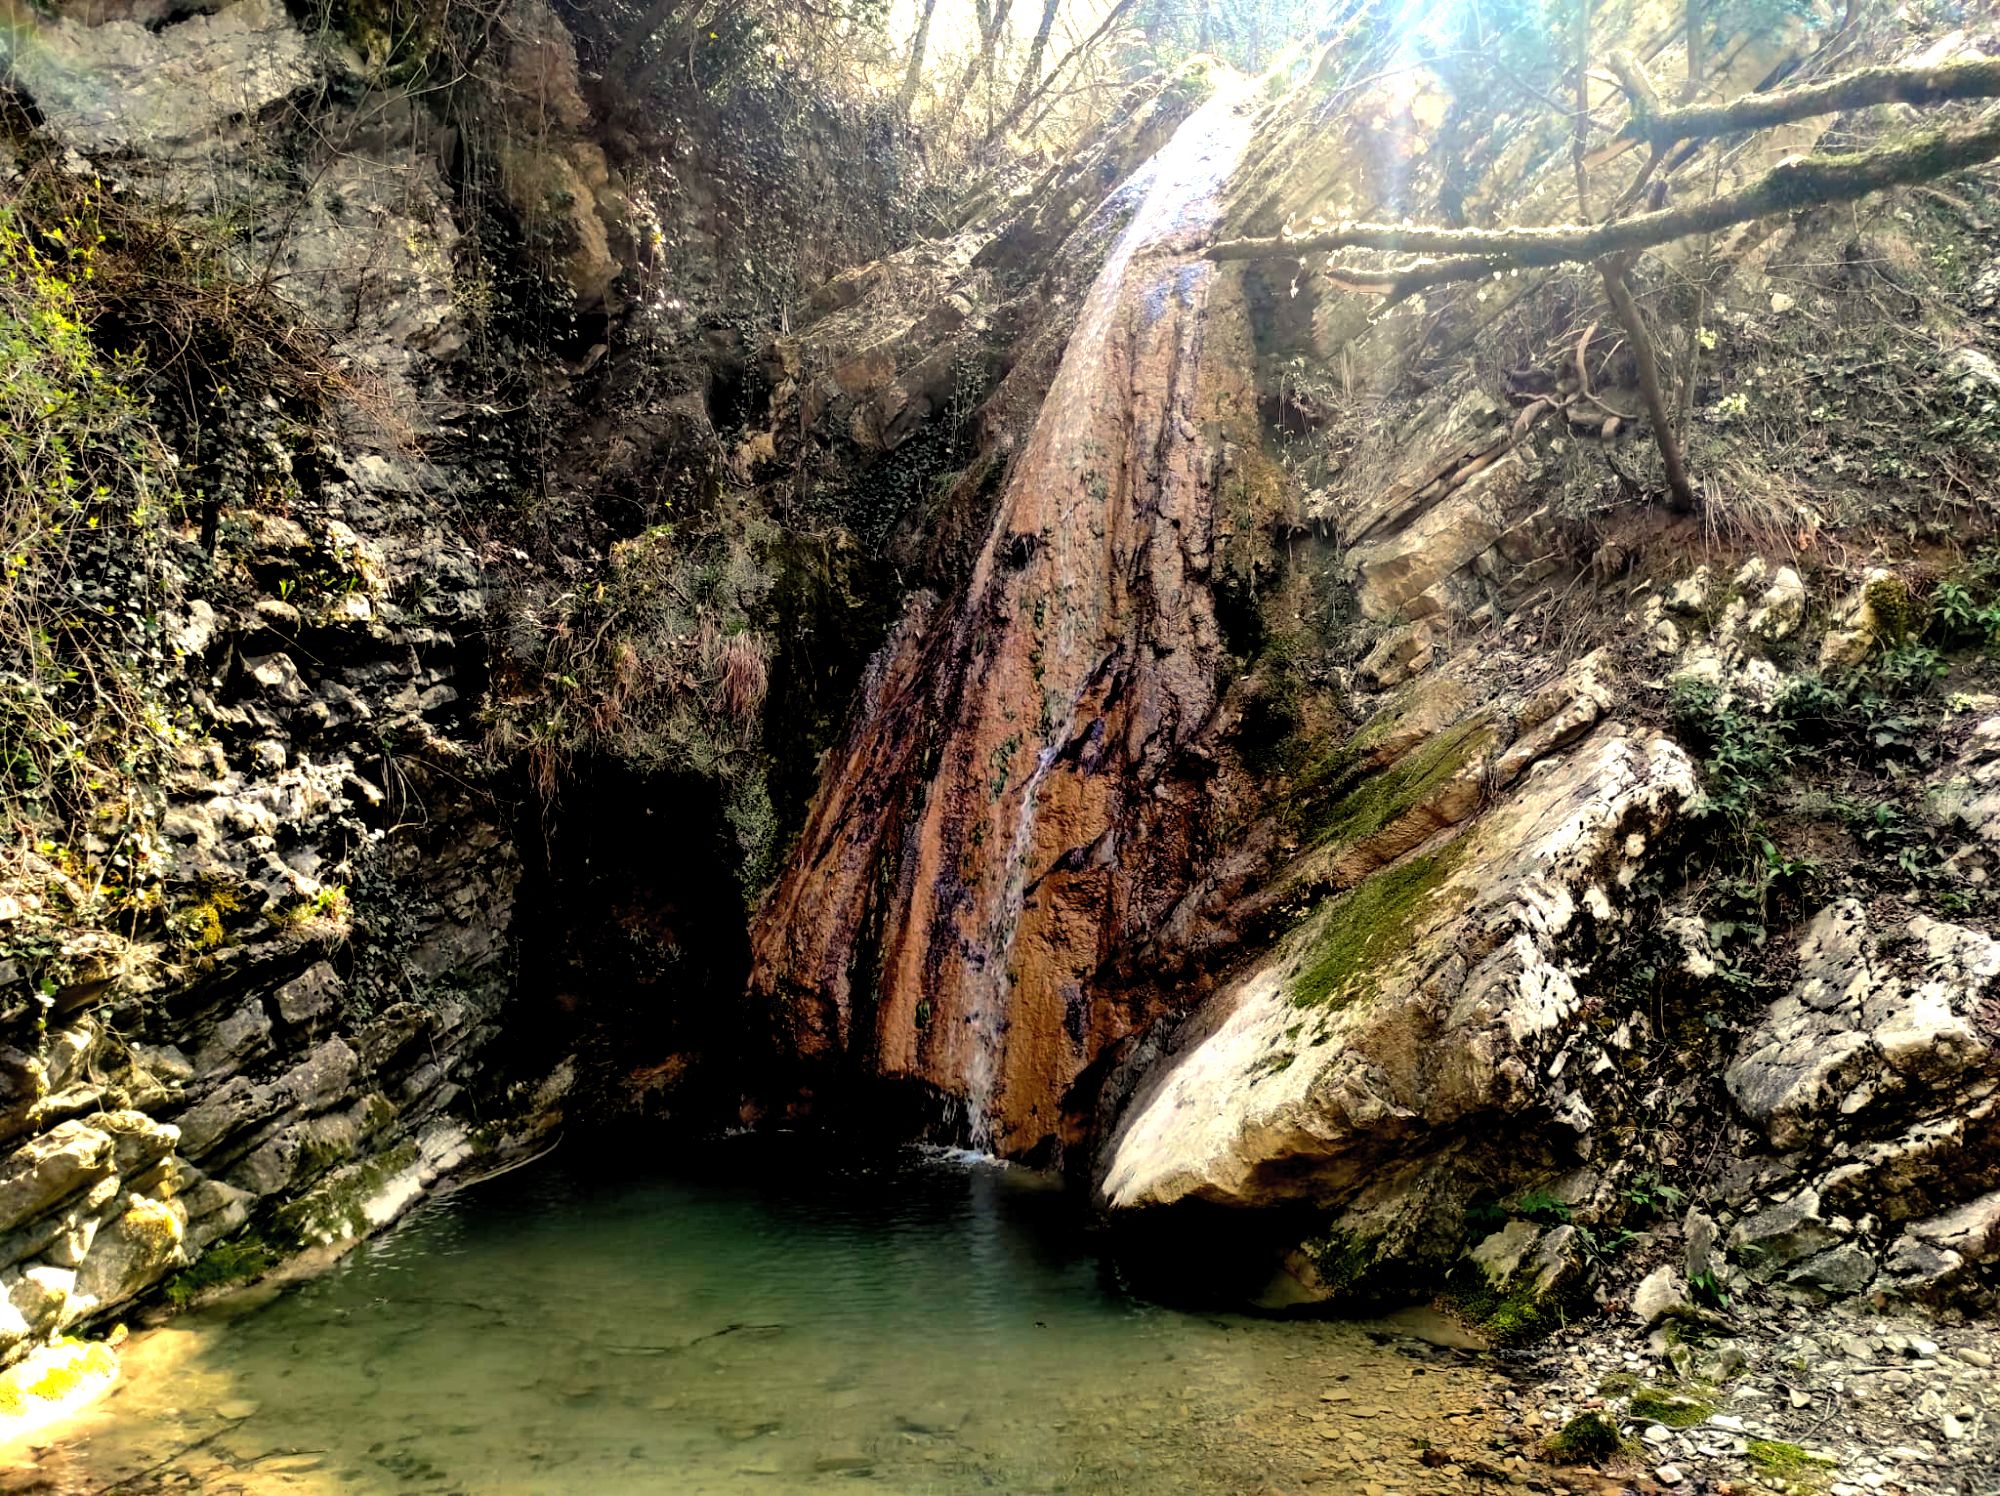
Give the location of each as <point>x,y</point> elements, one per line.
<point>966,850</point>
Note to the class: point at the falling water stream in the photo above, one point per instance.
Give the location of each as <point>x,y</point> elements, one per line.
<point>771,1319</point>
<point>1179,195</point>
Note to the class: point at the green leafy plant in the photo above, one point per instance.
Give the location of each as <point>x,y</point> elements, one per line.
<point>1541,1205</point>
<point>1653,1195</point>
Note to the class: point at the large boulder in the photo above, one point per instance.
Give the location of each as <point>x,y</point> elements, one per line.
<point>1409,1020</point>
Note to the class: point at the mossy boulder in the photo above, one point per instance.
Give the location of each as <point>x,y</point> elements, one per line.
<point>1791,1467</point>
<point>1384,1064</point>
<point>1674,1409</point>
<point>1587,1439</point>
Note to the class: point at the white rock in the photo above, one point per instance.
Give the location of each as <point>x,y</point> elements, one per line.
<point>1658,1295</point>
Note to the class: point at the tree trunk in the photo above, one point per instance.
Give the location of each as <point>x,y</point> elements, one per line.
<point>991,23</point>
<point>1031,73</point>
<point>1022,106</point>
<point>913,79</point>
<point>1619,289</point>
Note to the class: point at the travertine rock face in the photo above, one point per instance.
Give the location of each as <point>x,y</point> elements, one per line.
<point>1016,797</point>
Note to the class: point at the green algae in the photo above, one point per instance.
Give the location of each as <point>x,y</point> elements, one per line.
<point>1358,933</point>
<point>1382,799</point>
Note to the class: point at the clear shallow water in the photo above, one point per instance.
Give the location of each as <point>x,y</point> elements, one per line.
<point>760,1323</point>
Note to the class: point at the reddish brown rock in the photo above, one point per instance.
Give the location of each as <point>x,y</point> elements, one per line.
<point>1018,797</point>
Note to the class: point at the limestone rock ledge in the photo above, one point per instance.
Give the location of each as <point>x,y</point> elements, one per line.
<point>1871,1086</point>
<point>1407,1025</point>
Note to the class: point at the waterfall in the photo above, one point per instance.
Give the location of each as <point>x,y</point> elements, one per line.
<point>1056,689</point>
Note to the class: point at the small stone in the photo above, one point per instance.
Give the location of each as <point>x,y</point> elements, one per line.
<point>1973,1357</point>
<point>1951,1428</point>
<point>1668,1475</point>
<point>236,1409</point>
<point>1658,1296</point>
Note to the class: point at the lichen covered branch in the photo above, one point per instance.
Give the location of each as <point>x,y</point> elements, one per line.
<point>1803,182</point>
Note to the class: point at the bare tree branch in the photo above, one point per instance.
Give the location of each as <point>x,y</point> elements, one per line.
<point>1616,271</point>
<point>1031,71</point>
<point>1022,106</point>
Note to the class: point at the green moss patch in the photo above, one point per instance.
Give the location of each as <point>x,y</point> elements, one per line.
<point>1587,1439</point>
<point>1507,1314</point>
<point>1356,934</point>
<point>336,1208</point>
<point>1776,1460</point>
<point>1382,799</point>
<point>223,1265</point>
<point>1674,1409</point>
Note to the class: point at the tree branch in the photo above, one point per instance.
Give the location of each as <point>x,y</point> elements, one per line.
<point>1618,287</point>
<point>1804,182</point>
<point>1978,78</point>
<point>1022,105</point>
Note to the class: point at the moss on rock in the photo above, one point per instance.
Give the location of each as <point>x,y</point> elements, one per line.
<point>1382,799</point>
<point>1588,1438</point>
<point>1508,1314</point>
<point>241,1259</point>
<point>1895,616</point>
<point>336,1208</point>
<point>1358,933</point>
<point>1788,1464</point>
<point>1674,1409</point>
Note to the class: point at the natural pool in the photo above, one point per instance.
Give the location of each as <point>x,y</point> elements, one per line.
<point>765,1320</point>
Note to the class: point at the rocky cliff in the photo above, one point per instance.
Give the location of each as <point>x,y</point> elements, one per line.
<point>313,307</point>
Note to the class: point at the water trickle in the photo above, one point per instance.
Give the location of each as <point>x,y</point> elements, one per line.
<point>1058,689</point>
<point>1179,202</point>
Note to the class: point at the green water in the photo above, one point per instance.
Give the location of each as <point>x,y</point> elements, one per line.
<point>761,1322</point>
